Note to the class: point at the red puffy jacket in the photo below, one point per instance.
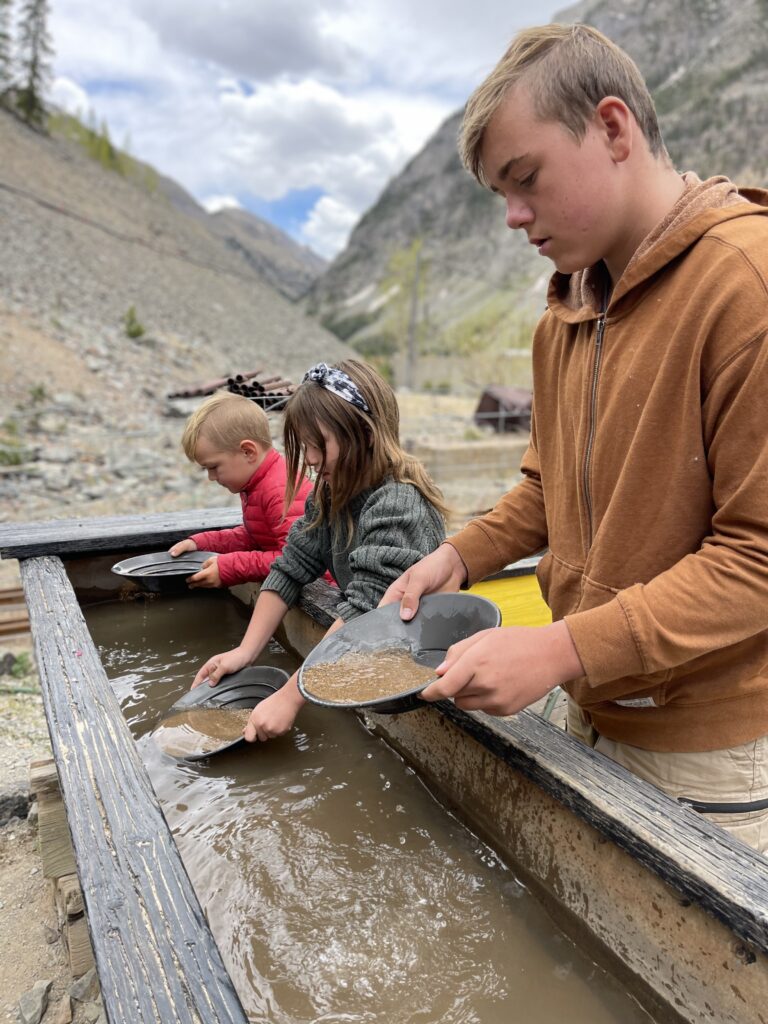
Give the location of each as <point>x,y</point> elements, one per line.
<point>247,552</point>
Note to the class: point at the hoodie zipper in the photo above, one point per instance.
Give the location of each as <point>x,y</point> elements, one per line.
<point>592,423</point>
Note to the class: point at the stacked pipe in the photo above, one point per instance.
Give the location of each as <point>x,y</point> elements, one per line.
<point>271,393</point>
<point>208,388</point>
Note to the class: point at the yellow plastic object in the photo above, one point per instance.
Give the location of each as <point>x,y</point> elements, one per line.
<point>518,598</point>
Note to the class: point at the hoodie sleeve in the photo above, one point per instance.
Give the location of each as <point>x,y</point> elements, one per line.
<point>514,528</point>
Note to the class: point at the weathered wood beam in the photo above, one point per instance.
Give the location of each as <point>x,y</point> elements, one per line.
<point>156,957</point>
<point>68,538</point>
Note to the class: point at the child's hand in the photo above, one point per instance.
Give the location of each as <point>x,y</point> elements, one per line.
<point>275,715</point>
<point>221,665</point>
<point>181,547</point>
<point>208,575</point>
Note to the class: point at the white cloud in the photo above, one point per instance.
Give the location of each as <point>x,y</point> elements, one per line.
<point>328,226</point>
<point>236,98</point>
<point>214,204</point>
<point>68,95</point>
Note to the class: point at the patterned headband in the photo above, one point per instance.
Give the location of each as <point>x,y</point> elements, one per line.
<point>338,382</point>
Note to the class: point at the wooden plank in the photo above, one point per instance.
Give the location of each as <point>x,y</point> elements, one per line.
<point>69,897</point>
<point>703,862</point>
<point>56,853</point>
<point>43,777</point>
<point>67,538</point>
<point>155,954</point>
<point>79,949</point>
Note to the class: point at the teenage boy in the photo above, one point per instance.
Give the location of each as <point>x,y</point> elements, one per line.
<point>647,472</point>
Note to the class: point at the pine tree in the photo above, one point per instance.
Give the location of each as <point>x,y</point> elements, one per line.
<point>35,51</point>
<point>6,71</point>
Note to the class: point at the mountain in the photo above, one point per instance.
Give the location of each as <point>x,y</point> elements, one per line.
<point>431,266</point>
<point>272,254</point>
<point>86,245</point>
<point>116,289</point>
<point>287,266</point>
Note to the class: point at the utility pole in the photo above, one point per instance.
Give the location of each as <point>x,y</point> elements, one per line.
<point>412,322</point>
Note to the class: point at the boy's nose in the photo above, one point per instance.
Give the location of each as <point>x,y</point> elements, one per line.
<point>518,213</point>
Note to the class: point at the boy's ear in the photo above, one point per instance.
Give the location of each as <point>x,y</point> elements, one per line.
<point>249,449</point>
<point>617,122</point>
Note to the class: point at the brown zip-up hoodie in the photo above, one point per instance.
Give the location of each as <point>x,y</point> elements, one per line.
<point>647,478</point>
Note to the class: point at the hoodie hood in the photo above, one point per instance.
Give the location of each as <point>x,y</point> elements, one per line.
<point>701,206</point>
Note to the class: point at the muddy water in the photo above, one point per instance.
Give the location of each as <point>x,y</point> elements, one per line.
<point>336,887</point>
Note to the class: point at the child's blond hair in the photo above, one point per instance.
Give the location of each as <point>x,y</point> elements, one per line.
<point>369,443</point>
<point>567,70</point>
<point>224,420</point>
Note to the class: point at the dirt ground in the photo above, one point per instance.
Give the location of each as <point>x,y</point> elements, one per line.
<point>31,948</point>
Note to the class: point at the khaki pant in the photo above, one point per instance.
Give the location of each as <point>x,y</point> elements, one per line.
<point>738,775</point>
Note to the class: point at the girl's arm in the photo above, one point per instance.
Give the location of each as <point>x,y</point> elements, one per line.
<point>267,615</point>
<point>275,715</point>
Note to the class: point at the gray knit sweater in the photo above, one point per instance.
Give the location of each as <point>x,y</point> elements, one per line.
<point>394,526</point>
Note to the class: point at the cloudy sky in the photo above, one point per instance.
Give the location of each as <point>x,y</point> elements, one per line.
<point>298,110</point>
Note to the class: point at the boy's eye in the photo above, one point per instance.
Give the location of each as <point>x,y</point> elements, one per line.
<point>528,180</point>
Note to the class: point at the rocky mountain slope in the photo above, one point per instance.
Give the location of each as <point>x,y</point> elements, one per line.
<point>477,284</point>
<point>284,264</point>
<point>87,251</point>
<point>88,244</point>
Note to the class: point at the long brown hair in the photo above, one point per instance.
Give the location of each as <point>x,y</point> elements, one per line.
<point>369,444</point>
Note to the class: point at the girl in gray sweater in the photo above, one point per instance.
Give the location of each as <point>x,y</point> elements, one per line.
<point>373,513</point>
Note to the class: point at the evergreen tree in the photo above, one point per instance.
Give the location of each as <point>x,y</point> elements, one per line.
<point>35,51</point>
<point>6,72</point>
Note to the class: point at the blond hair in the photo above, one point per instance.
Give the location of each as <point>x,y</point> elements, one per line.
<point>567,70</point>
<point>369,443</point>
<point>225,420</point>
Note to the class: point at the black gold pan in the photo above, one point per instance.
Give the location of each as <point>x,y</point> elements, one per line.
<point>243,689</point>
<point>159,573</point>
<point>442,620</point>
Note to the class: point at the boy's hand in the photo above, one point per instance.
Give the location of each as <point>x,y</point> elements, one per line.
<point>443,570</point>
<point>207,576</point>
<point>221,665</point>
<point>275,715</point>
<point>501,671</point>
<point>181,547</point>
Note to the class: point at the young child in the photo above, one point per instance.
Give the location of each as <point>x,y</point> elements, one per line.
<point>373,512</point>
<point>647,473</point>
<point>228,436</point>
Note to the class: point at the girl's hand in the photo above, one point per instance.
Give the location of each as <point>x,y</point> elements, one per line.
<point>501,671</point>
<point>181,547</point>
<point>275,715</point>
<point>221,665</point>
<point>207,575</point>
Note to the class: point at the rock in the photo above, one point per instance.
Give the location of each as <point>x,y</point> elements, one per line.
<point>33,813</point>
<point>7,661</point>
<point>92,1011</point>
<point>63,1013</point>
<point>34,1003</point>
<point>85,988</point>
<point>13,805</point>
<point>51,936</point>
